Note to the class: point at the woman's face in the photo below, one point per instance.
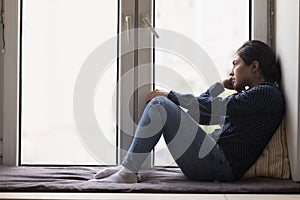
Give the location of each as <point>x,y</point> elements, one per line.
<point>241,74</point>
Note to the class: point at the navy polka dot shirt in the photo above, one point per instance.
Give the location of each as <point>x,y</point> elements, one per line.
<point>248,119</point>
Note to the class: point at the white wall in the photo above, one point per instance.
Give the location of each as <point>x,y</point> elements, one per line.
<point>287,48</point>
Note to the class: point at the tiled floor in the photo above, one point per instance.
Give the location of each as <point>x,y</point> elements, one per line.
<point>138,196</point>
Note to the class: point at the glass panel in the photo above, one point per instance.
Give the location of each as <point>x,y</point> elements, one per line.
<point>218,26</point>
<point>58,36</point>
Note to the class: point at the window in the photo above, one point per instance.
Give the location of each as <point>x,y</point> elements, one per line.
<point>218,27</point>
<point>64,37</point>
<point>57,38</point>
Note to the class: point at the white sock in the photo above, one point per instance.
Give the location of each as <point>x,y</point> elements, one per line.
<point>107,172</point>
<point>124,175</point>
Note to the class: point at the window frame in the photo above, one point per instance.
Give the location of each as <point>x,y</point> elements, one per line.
<point>12,57</point>
<point>117,28</point>
<point>11,83</point>
<point>136,9</point>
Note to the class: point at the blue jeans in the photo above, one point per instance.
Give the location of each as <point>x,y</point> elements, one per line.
<point>194,151</point>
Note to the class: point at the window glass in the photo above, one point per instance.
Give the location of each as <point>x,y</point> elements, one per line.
<point>57,37</point>
<point>218,26</point>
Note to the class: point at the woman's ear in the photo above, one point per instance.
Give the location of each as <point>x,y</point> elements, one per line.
<point>255,66</point>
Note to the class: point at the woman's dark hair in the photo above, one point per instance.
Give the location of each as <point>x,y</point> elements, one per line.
<point>255,50</point>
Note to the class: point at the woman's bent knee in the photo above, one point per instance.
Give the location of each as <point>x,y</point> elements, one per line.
<point>159,100</point>
<point>164,101</point>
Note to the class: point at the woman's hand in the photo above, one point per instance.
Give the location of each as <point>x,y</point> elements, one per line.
<point>227,83</point>
<point>155,93</point>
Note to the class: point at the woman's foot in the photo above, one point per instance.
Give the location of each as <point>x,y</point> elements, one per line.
<point>123,175</point>
<point>107,172</point>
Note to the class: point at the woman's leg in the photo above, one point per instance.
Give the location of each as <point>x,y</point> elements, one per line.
<point>157,113</point>
<point>147,134</point>
<point>195,152</point>
<point>184,139</point>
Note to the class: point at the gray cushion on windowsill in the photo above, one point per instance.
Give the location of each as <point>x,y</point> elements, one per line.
<point>163,180</point>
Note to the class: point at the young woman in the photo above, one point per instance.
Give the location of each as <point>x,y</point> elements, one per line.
<point>248,119</point>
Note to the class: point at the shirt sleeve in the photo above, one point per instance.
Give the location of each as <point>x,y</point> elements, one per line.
<point>209,109</point>
<point>201,108</point>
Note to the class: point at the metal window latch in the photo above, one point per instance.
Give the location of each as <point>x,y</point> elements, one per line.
<point>147,24</point>
<point>128,26</point>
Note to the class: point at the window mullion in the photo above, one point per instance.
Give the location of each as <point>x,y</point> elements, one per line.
<point>126,77</point>
<point>135,69</point>
<point>144,65</point>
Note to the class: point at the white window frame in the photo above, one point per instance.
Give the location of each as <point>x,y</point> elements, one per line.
<point>135,9</point>
<point>11,99</point>
<point>11,84</point>
<point>262,21</point>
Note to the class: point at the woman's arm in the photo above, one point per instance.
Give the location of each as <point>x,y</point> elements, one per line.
<point>202,108</point>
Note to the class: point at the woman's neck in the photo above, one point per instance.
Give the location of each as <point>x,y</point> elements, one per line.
<point>257,81</point>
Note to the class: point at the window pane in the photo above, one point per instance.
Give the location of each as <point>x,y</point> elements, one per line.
<point>218,26</point>
<point>58,36</point>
